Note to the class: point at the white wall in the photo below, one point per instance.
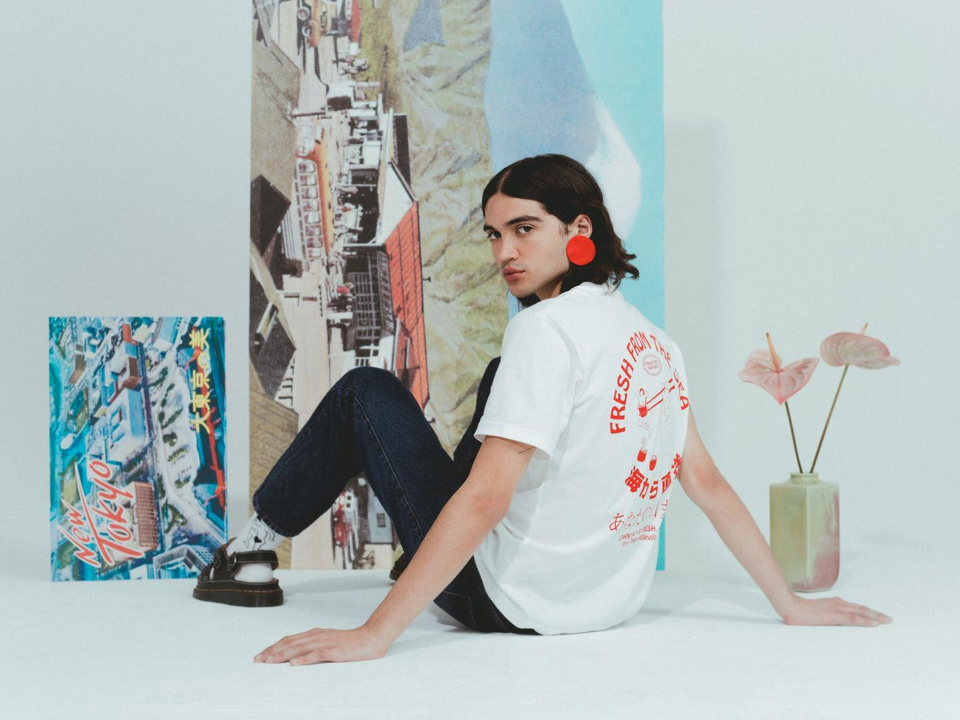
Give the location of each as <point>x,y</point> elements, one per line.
<point>812,184</point>
<point>811,177</point>
<point>124,138</point>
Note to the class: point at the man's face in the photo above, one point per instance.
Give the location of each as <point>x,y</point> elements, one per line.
<point>524,236</point>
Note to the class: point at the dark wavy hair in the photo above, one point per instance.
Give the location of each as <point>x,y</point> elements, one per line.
<point>565,188</point>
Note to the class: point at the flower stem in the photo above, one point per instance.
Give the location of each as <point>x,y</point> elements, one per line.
<point>793,437</point>
<point>830,415</point>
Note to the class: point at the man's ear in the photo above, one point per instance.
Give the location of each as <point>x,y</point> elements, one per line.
<point>584,225</point>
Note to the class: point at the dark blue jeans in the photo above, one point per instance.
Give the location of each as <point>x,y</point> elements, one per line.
<point>370,423</point>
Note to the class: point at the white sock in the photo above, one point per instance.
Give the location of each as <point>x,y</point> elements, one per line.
<point>256,535</point>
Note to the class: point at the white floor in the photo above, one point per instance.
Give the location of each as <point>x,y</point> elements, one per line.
<point>703,646</point>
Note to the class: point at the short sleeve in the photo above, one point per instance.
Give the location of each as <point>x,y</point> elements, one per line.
<point>532,395</point>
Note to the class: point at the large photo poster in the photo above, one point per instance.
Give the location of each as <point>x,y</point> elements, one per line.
<point>137,446</point>
<point>375,126</point>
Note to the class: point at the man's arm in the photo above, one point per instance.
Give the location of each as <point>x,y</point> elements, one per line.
<point>466,519</point>
<point>709,490</point>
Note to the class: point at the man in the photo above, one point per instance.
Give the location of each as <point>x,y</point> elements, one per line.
<point>539,525</point>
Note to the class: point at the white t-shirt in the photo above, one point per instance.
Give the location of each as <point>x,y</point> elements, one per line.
<point>602,394</point>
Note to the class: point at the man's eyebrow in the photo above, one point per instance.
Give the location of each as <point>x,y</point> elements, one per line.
<point>522,218</point>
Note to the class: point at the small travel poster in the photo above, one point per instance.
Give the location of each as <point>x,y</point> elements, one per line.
<point>137,446</point>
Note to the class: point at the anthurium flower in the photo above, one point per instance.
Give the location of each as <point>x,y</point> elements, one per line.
<point>847,348</point>
<point>765,368</point>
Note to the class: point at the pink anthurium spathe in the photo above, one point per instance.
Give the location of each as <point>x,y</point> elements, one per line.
<point>846,348</point>
<point>765,369</point>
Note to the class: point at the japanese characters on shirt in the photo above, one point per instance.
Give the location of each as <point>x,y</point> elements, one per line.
<point>646,367</point>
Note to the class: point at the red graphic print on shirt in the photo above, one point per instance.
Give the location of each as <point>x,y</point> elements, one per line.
<point>636,345</point>
<point>624,524</point>
<point>654,412</point>
<point>640,484</point>
<point>684,400</point>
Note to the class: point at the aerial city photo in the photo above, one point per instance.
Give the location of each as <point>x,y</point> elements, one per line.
<point>335,254</point>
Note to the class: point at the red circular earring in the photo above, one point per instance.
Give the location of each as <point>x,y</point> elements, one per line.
<point>581,250</point>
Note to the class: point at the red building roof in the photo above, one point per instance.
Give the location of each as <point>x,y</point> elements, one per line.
<point>406,285</point>
<point>355,21</point>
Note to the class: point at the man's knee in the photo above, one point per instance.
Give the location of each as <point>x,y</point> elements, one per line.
<point>367,375</point>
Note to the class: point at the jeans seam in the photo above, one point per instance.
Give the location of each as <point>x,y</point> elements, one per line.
<point>496,619</point>
<point>470,608</point>
<point>403,492</point>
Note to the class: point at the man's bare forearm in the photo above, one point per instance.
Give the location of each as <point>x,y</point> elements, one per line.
<point>739,532</point>
<point>447,547</point>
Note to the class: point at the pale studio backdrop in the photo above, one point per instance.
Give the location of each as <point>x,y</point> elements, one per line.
<point>811,186</point>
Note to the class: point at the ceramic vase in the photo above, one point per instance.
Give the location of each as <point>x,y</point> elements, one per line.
<point>805,531</point>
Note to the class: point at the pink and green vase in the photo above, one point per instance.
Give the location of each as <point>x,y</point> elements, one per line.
<point>805,531</point>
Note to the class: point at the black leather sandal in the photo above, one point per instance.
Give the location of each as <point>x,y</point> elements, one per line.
<point>217,582</point>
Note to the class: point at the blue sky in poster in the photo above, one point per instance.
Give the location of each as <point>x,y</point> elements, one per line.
<point>548,60</point>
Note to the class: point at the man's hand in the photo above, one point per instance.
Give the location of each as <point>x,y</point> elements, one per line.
<point>832,611</point>
<point>326,645</point>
